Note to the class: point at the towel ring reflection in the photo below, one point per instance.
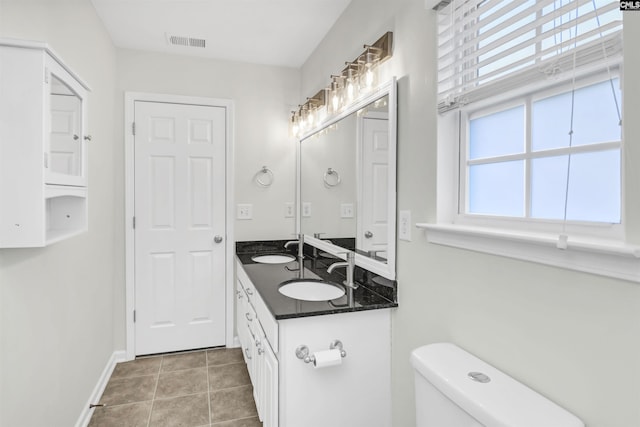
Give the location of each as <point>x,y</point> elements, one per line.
<point>331,182</point>
<point>264,177</point>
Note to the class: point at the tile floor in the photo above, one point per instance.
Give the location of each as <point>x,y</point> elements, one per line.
<point>191,389</point>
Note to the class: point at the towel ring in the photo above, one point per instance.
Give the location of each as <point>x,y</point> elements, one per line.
<point>336,180</point>
<point>264,177</point>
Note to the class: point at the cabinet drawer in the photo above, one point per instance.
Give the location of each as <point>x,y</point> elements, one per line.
<point>268,322</point>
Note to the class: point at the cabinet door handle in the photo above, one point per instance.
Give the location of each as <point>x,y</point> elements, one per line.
<point>87,137</point>
<point>249,291</point>
<point>246,353</point>
<point>76,137</point>
<point>368,235</point>
<point>260,351</point>
<point>248,316</point>
<point>239,294</point>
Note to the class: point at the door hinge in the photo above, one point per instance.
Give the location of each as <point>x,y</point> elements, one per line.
<point>133,128</point>
<point>134,316</point>
<point>134,222</point>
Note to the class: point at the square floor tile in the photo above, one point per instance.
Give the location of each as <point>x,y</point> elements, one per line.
<point>130,415</point>
<point>227,376</point>
<point>180,383</point>
<point>232,403</point>
<point>183,411</point>
<point>137,368</point>
<point>129,390</point>
<point>176,362</point>
<point>224,356</point>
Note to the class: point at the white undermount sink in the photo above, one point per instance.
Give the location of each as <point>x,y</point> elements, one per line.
<point>273,258</point>
<point>311,290</point>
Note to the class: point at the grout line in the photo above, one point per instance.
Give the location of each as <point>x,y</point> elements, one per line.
<point>208,385</point>
<point>155,390</point>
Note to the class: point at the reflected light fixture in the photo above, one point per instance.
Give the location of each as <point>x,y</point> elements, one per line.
<point>358,77</point>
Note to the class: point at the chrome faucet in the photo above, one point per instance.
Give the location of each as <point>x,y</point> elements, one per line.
<point>350,284</point>
<point>300,243</point>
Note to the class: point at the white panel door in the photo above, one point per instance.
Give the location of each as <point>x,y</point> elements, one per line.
<point>373,221</point>
<point>179,227</point>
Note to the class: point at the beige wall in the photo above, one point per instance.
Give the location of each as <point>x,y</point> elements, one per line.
<point>571,336</point>
<point>57,303</point>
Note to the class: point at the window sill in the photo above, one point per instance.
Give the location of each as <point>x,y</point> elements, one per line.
<point>602,257</point>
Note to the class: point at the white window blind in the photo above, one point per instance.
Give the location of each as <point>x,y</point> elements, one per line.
<point>486,47</point>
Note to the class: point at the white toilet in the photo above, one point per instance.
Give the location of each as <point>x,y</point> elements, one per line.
<point>456,389</point>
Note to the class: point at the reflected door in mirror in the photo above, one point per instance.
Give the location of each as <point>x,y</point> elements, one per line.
<point>65,151</point>
<point>373,221</point>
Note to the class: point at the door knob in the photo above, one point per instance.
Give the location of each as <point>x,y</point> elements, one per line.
<point>368,234</point>
<point>217,239</point>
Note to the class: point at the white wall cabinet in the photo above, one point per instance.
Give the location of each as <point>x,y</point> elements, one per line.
<point>291,393</point>
<point>43,147</point>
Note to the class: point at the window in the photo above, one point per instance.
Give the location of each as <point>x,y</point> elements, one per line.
<point>518,157</point>
<point>530,148</point>
<point>538,89</point>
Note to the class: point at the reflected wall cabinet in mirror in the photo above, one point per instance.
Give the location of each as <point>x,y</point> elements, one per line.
<point>43,146</point>
<point>347,182</point>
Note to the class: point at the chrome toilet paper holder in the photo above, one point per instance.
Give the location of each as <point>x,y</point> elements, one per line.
<point>302,352</point>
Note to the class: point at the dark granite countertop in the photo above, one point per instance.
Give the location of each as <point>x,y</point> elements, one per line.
<point>267,278</point>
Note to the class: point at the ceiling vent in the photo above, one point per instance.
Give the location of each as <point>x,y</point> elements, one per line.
<point>185,41</point>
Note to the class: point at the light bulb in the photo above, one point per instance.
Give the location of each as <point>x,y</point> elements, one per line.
<point>335,101</point>
<point>368,79</point>
<point>350,91</point>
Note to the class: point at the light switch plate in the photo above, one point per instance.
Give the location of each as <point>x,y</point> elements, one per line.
<point>346,210</point>
<point>289,210</point>
<point>244,211</point>
<point>306,209</point>
<point>404,226</point>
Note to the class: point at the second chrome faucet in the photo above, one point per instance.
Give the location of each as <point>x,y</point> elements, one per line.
<point>350,284</point>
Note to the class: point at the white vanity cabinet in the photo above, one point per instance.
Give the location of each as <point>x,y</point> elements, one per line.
<point>292,393</point>
<point>252,320</point>
<point>43,139</point>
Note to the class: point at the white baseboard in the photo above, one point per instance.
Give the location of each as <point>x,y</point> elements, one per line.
<point>236,342</point>
<point>85,416</point>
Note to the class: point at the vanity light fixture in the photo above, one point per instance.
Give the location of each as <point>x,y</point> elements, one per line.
<point>358,77</point>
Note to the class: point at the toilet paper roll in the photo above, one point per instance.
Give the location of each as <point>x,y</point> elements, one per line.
<point>326,358</point>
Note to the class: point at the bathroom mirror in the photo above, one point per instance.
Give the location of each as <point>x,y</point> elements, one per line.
<point>347,183</point>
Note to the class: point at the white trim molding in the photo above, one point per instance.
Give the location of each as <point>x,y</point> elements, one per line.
<point>590,255</point>
<point>130,98</point>
<point>96,394</point>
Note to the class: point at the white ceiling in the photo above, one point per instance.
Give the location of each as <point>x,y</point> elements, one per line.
<point>273,32</point>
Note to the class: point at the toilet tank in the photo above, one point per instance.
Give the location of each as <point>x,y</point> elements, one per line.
<point>456,389</point>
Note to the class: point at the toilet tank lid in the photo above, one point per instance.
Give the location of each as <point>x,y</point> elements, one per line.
<point>501,402</point>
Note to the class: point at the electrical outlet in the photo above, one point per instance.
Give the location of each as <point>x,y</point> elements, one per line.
<point>346,210</point>
<point>289,211</point>
<point>404,226</point>
<point>306,209</point>
<point>244,211</point>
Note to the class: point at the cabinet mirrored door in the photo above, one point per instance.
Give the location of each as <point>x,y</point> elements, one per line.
<point>65,151</point>
<point>66,141</point>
